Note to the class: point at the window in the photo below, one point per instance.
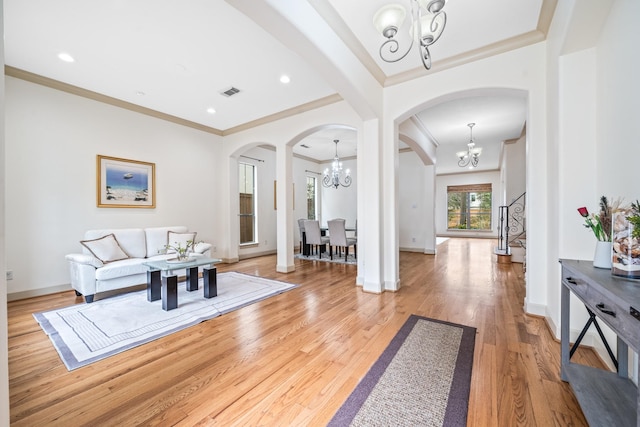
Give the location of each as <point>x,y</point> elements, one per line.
<point>469,207</point>
<point>247,190</point>
<point>311,197</point>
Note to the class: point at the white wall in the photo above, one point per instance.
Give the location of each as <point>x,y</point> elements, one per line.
<point>514,169</point>
<point>442,181</point>
<point>4,351</point>
<point>415,207</point>
<point>618,103</point>
<point>52,139</point>
<point>266,230</point>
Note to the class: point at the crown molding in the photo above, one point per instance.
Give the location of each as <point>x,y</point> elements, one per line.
<point>75,90</point>
<point>318,103</point>
<point>497,48</point>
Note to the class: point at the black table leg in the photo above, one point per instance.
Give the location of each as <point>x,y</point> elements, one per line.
<point>210,278</point>
<point>153,285</point>
<point>592,319</point>
<point>169,293</point>
<point>192,279</point>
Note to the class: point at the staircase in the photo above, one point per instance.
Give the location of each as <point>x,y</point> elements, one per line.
<point>512,237</point>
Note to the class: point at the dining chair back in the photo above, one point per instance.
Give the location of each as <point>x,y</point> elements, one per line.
<point>338,237</point>
<point>313,235</point>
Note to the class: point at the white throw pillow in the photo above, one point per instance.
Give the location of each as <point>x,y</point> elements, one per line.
<point>106,248</point>
<point>174,239</point>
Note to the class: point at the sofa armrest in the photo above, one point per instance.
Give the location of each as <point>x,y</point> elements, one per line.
<point>201,247</point>
<point>85,259</point>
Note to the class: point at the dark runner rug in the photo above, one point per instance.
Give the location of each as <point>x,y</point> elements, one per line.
<point>423,378</point>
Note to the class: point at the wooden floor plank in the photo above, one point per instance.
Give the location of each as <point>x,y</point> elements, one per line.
<point>294,358</point>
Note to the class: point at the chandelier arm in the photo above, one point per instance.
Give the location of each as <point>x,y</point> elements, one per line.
<point>326,181</point>
<point>463,163</point>
<point>393,46</point>
<point>425,56</point>
<point>433,26</point>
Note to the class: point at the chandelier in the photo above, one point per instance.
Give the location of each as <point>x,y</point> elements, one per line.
<point>333,177</point>
<point>472,155</point>
<point>427,24</point>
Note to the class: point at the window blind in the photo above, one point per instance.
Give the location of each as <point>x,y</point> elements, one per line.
<point>469,188</point>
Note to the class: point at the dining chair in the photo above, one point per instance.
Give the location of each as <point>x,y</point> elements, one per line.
<point>313,235</point>
<point>338,238</point>
<point>302,235</point>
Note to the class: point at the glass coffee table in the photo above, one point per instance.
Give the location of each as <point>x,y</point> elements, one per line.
<point>162,281</point>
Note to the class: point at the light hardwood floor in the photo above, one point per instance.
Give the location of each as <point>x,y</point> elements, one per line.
<point>294,358</point>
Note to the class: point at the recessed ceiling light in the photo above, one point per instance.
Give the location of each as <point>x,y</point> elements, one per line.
<point>211,110</point>
<point>65,57</point>
<point>284,79</point>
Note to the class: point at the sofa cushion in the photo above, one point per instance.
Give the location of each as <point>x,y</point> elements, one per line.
<point>105,248</point>
<point>131,240</point>
<point>156,238</point>
<point>179,239</point>
<point>126,267</point>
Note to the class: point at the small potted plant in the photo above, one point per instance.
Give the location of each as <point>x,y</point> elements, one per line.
<point>600,224</point>
<point>181,251</point>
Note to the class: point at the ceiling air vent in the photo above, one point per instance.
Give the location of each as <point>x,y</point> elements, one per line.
<point>229,92</point>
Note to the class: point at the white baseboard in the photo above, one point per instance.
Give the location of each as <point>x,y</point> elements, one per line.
<point>15,296</point>
<point>418,250</point>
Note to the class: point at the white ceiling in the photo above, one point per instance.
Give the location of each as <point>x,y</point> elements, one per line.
<point>176,58</point>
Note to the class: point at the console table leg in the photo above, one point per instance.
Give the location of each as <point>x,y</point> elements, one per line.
<point>210,282</point>
<point>564,332</point>
<point>169,293</point>
<point>153,285</point>
<point>192,279</point>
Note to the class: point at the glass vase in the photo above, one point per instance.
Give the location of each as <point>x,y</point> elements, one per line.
<point>625,249</point>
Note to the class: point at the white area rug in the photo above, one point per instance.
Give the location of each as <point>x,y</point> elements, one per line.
<point>85,333</point>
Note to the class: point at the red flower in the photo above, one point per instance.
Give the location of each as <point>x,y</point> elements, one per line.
<point>583,211</point>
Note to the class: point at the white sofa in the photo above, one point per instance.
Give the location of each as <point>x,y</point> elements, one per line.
<point>112,258</point>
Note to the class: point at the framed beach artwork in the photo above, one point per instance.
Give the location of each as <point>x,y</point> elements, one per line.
<point>123,183</point>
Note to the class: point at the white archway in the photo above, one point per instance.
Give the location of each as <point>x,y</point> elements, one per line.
<point>284,223</point>
<point>425,150</point>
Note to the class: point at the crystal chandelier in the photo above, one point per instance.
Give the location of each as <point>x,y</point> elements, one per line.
<point>472,155</point>
<point>427,24</point>
<point>333,177</point>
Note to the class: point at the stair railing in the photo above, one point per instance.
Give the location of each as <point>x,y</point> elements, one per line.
<point>511,223</point>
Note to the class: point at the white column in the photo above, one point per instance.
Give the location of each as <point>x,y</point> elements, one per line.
<point>370,237</point>
<point>232,231</point>
<point>4,351</point>
<point>429,203</point>
<point>390,226</point>
<point>284,201</point>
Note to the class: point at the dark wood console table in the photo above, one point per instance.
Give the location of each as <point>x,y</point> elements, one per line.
<point>606,398</point>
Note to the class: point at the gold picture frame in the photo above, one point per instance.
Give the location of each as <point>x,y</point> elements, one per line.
<point>124,183</point>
